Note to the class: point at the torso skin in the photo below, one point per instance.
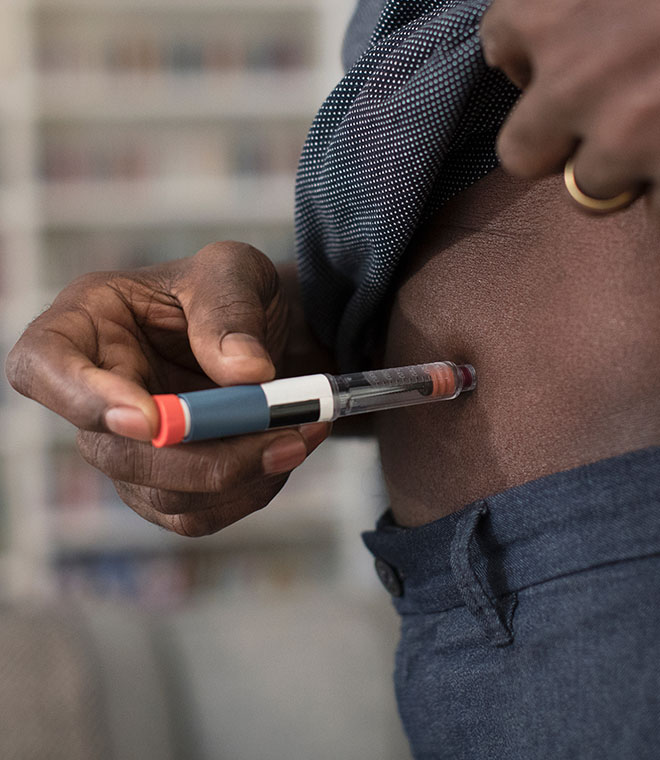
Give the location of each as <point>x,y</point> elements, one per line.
<point>560,314</point>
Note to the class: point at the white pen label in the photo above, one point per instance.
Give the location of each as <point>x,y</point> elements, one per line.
<point>302,391</point>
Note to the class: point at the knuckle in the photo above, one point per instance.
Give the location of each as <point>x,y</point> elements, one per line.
<point>493,19</point>
<point>116,456</point>
<point>24,360</point>
<point>212,513</point>
<point>82,292</point>
<point>228,251</point>
<point>516,152</point>
<point>495,51</point>
<point>527,147</point>
<point>168,502</point>
<point>85,282</point>
<point>506,31</point>
<point>244,262</point>
<point>18,368</point>
<point>224,470</point>
<point>493,43</point>
<point>134,497</point>
<point>211,251</point>
<point>139,499</point>
<point>89,446</point>
<point>195,525</point>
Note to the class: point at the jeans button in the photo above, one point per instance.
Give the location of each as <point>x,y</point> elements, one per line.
<point>389,577</point>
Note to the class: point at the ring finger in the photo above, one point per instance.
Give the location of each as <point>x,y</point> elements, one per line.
<point>600,182</point>
<point>199,514</point>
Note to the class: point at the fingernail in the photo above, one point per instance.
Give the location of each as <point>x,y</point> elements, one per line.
<point>242,345</point>
<point>284,455</point>
<point>129,422</point>
<point>314,434</point>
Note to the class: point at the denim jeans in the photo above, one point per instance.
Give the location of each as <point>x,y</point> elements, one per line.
<point>531,619</point>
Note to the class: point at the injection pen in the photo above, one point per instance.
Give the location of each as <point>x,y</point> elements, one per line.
<point>239,409</point>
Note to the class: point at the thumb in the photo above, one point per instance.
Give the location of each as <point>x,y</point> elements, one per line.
<point>236,313</point>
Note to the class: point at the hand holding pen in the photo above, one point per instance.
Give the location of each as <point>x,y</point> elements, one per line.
<point>112,339</point>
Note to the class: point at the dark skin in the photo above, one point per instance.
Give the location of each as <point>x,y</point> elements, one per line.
<point>559,314</point>
<point>497,296</point>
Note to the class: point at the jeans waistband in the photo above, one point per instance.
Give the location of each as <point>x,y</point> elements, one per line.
<point>574,520</point>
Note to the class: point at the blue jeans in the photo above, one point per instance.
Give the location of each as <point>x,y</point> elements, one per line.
<point>531,619</point>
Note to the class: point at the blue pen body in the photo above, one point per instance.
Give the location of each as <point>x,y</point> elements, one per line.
<point>221,412</point>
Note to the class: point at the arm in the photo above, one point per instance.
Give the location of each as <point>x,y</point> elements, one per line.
<point>111,339</point>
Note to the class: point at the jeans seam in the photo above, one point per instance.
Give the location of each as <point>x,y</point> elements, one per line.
<point>495,622</point>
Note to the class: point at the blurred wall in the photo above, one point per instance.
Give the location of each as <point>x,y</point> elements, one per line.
<point>134,131</point>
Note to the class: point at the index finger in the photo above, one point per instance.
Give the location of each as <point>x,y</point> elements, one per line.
<point>537,137</point>
<point>504,47</point>
<point>55,362</point>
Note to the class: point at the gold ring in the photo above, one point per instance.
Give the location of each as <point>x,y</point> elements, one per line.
<point>595,205</point>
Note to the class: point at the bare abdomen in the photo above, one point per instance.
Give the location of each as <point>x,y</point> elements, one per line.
<point>560,315</point>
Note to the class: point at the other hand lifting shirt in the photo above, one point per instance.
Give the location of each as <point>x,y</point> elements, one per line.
<point>412,123</point>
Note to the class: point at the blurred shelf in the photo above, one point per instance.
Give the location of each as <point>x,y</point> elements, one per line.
<point>15,101</point>
<point>16,5</point>
<point>169,6</point>
<point>167,202</point>
<point>6,573</point>
<point>22,427</point>
<point>158,74</point>
<point>7,201</point>
<point>17,207</point>
<point>139,97</point>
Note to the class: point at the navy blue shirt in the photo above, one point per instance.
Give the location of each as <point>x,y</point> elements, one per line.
<point>412,123</point>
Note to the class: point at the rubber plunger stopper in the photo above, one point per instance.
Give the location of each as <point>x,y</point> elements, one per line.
<point>172,426</point>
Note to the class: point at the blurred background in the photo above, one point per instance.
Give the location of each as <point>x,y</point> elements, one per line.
<point>132,131</point>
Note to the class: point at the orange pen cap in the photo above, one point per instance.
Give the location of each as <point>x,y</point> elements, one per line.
<point>172,425</point>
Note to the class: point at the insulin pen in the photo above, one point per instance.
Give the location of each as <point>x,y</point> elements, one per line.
<point>239,409</point>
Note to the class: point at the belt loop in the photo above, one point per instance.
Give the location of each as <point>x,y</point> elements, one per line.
<point>495,619</point>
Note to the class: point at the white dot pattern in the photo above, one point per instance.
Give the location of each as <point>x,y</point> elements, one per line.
<point>410,125</point>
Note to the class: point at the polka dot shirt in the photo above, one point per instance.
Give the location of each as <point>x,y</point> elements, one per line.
<point>412,123</point>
